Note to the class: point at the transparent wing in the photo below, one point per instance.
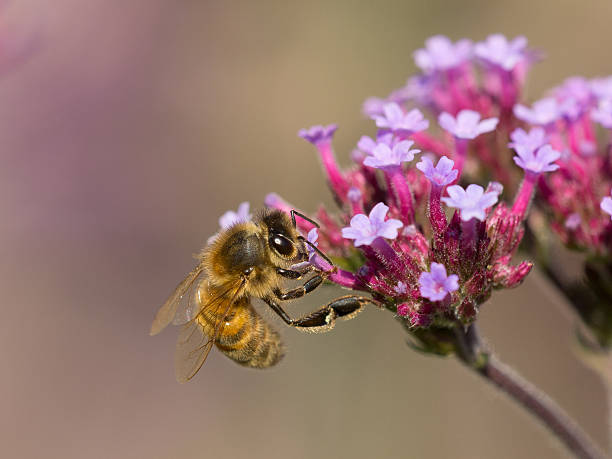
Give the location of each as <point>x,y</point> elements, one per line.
<point>197,337</point>
<point>183,300</point>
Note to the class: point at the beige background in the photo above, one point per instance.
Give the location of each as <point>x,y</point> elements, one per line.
<point>138,123</point>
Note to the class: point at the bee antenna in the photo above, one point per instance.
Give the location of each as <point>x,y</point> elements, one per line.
<point>316,249</point>
<point>301,215</point>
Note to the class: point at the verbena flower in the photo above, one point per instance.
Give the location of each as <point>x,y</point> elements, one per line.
<point>365,229</point>
<point>230,217</point>
<point>542,112</point>
<point>395,120</point>
<point>442,174</point>
<point>530,141</point>
<point>440,53</point>
<point>436,284</point>
<point>318,134</point>
<point>540,160</point>
<point>467,124</point>
<point>497,50</point>
<point>472,202</point>
<point>383,157</point>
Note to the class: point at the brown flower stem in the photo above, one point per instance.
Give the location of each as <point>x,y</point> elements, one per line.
<point>526,394</point>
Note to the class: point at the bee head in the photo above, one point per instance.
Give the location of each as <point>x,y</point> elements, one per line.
<point>282,237</point>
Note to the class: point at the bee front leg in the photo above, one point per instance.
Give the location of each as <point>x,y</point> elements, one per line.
<point>302,290</point>
<point>295,273</point>
<point>323,319</point>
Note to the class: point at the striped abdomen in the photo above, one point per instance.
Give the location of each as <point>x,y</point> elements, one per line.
<point>246,338</point>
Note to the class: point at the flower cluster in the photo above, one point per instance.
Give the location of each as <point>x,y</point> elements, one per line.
<point>427,238</point>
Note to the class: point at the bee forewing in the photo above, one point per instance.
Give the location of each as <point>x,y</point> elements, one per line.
<point>181,295</point>
<point>192,348</point>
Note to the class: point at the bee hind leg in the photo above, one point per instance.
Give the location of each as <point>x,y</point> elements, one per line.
<point>323,319</point>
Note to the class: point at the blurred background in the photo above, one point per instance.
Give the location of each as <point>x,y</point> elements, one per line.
<point>134,126</point>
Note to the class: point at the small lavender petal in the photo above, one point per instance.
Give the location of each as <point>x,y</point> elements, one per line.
<point>401,288</point>
<point>373,106</point>
<point>364,230</point>
<point>440,53</point>
<point>606,205</point>
<point>442,174</point>
<point>530,141</point>
<point>573,221</point>
<point>497,50</point>
<point>472,202</point>
<point>397,121</point>
<point>467,124</point>
<point>384,157</point>
<point>318,134</point>
<point>230,217</point>
<point>435,285</point>
<point>602,114</point>
<point>366,144</point>
<point>540,161</point>
<point>544,111</point>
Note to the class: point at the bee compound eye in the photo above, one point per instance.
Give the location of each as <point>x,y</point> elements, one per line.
<point>281,244</point>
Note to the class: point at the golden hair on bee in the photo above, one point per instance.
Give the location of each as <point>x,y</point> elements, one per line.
<point>248,259</point>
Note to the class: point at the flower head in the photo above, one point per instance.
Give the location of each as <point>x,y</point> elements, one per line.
<point>442,54</point>
<point>467,124</point>
<point>529,141</point>
<point>497,50</point>
<point>436,284</point>
<point>395,120</point>
<point>384,157</point>
<point>318,134</point>
<point>442,174</point>
<point>542,112</point>
<point>473,201</point>
<point>365,229</point>
<point>606,205</point>
<point>230,217</point>
<point>539,161</point>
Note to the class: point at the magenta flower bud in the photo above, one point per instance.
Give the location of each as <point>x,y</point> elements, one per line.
<point>467,124</point>
<point>441,175</point>
<point>435,285</point>
<point>395,120</point>
<point>472,202</point>
<point>497,50</point>
<point>441,54</point>
<point>541,161</point>
<point>543,112</point>
<point>403,309</point>
<point>364,230</point>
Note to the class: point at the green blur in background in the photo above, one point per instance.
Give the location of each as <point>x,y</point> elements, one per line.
<point>134,127</point>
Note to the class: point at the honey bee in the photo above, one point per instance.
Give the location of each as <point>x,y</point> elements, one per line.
<point>213,303</point>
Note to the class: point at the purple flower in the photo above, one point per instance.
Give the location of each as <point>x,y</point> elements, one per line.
<point>540,161</point>
<point>497,50</point>
<point>365,229</point>
<point>385,157</point>
<point>312,237</point>
<point>602,87</point>
<point>373,106</point>
<point>442,54</point>
<point>401,288</point>
<point>366,144</point>
<point>473,201</point>
<point>529,141</point>
<point>467,125</point>
<point>442,174</point>
<point>230,217</point>
<point>606,205</point>
<point>544,111</point>
<point>602,114</point>
<point>435,285</point>
<point>573,221</point>
<point>318,134</point>
<point>396,120</point>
